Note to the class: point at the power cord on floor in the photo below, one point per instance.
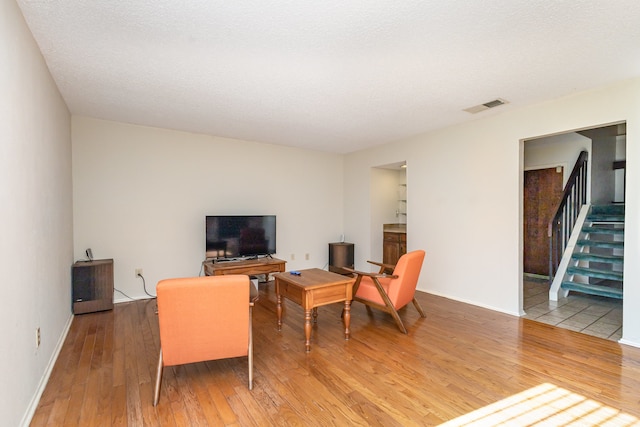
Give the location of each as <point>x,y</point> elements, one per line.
<point>131,298</point>
<point>144,285</point>
<point>127,296</point>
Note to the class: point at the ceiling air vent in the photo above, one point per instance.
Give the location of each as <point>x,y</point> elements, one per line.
<point>491,104</point>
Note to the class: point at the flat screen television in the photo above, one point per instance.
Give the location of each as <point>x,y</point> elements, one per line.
<point>236,236</point>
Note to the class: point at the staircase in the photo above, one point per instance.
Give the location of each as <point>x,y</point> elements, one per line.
<point>596,263</point>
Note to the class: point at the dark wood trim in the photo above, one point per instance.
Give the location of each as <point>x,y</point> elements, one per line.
<point>619,164</point>
<point>561,225</point>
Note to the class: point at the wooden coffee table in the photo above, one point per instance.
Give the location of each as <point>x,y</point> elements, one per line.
<point>312,289</point>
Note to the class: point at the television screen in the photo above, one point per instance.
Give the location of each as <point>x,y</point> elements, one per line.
<point>236,236</point>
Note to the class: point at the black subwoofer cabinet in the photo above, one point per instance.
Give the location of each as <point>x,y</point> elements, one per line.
<point>341,254</point>
<point>92,286</point>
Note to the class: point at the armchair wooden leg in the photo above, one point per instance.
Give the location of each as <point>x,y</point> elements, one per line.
<point>396,317</point>
<point>250,349</point>
<point>389,308</point>
<point>416,304</point>
<point>156,394</point>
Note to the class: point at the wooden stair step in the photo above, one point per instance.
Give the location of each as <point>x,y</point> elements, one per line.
<point>586,256</point>
<point>604,291</point>
<point>611,209</point>
<point>605,218</point>
<point>599,244</point>
<point>592,272</point>
<point>603,230</point>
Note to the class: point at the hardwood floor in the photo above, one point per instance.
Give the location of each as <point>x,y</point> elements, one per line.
<point>457,360</point>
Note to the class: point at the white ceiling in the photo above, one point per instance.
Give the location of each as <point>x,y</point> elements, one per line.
<point>332,75</point>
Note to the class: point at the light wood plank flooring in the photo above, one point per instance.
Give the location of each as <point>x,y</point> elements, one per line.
<point>454,363</point>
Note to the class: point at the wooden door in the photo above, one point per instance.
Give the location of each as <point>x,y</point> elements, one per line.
<point>542,193</point>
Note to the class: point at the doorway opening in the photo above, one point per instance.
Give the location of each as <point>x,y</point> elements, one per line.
<point>389,203</point>
<point>547,161</point>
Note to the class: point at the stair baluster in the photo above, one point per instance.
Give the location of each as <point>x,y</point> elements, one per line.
<point>562,223</point>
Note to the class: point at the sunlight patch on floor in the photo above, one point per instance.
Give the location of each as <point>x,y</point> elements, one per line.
<point>545,405</point>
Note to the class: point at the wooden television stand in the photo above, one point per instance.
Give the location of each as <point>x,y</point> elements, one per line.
<point>251,267</point>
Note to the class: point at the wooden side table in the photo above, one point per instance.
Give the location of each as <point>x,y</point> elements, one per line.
<point>312,289</point>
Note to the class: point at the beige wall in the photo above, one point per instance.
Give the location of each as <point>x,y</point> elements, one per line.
<point>36,214</point>
<point>141,195</point>
<point>465,205</point>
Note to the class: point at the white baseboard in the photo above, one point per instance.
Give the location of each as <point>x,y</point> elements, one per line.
<point>31,409</point>
<point>631,343</point>
<point>488,307</point>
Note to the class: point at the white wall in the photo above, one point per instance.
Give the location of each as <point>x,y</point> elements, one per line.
<point>141,195</point>
<point>604,180</point>
<point>465,205</point>
<point>36,214</point>
<point>558,150</point>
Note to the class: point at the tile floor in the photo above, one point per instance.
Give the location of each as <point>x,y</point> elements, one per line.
<point>593,315</point>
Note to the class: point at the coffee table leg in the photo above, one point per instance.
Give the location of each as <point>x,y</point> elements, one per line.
<point>279,311</point>
<point>307,330</point>
<point>347,319</point>
<point>315,315</point>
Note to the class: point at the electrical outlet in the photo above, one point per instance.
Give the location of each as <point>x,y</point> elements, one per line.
<point>38,337</point>
<point>293,257</point>
<point>306,256</point>
<point>138,272</point>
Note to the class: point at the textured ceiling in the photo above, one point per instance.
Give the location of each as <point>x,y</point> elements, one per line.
<point>332,75</point>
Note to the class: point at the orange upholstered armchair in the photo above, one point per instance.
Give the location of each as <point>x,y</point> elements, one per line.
<point>203,318</point>
<point>391,292</point>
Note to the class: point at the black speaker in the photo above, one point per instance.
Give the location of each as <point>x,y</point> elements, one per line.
<point>341,254</point>
<point>83,283</point>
